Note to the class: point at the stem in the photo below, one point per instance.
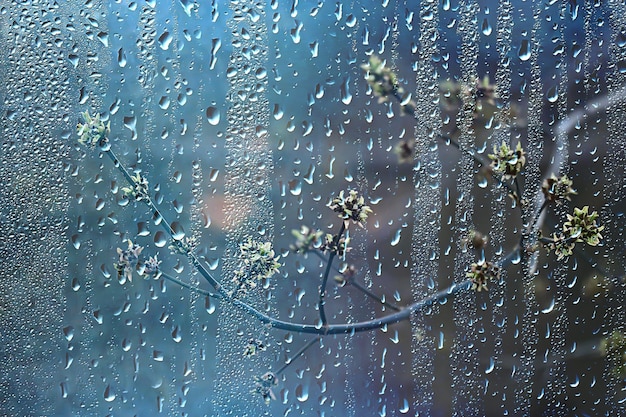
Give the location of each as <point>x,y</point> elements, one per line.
<point>326,273</point>
<point>190,287</point>
<point>360,287</point>
<point>544,205</point>
<point>297,355</point>
<point>370,294</point>
<point>325,328</point>
<point>348,328</point>
<point>168,228</point>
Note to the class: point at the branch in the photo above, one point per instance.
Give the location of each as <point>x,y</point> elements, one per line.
<point>326,273</point>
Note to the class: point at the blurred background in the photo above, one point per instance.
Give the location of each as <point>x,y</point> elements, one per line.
<point>247,118</point>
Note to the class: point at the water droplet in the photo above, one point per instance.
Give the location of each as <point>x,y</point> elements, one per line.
<point>346,96</point>
<point>524,50</point>
<point>295,187</point>
<point>121,58</point>
<point>486,27</point>
<point>302,392</point>
<point>213,116</point>
<point>396,238</point>
<point>351,21</point>
<point>295,32</point>
<point>553,94</point>
<point>160,239</point>
<point>176,334</point>
<point>126,345</point>
<point>75,241</point>
<point>109,395</point>
<point>68,332</point>
<point>404,406</point>
<point>209,305</point>
<point>178,233</point>
<point>278,112</point>
<point>164,102</point>
<point>165,40</point>
<point>142,229</point>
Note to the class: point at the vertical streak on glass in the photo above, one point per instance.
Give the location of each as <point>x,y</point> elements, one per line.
<point>554,343</point>
<point>500,214</point>
<point>525,289</point>
<point>248,209</point>
<point>466,348</point>
<point>36,201</point>
<point>427,208</point>
<point>147,71</point>
<point>613,193</point>
<point>350,365</point>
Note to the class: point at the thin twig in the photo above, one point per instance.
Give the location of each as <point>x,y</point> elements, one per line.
<point>297,355</point>
<point>322,301</point>
<point>352,281</point>
<point>373,296</point>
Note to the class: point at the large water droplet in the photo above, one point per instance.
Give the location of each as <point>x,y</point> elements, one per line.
<point>165,40</point>
<point>178,233</point>
<point>213,115</point>
<point>160,239</point>
<point>524,50</point>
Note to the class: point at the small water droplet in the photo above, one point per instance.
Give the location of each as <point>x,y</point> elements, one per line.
<point>176,334</point>
<point>68,332</point>
<point>553,94</point>
<point>486,27</point>
<point>164,102</point>
<point>121,58</point>
<point>295,32</point>
<point>75,241</point>
<point>346,96</point>
<point>109,395</point>
<point>396,238</point>
<point>278,112</point>
<point>209,305</point>
<point>404,406</point>
<point>302,393</point>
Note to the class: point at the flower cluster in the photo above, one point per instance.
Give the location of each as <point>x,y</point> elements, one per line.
<point>384,83</point>
<point>253,346</point>
<point>480,273</point>
<point>507,161</point>
<point>127,260</point>
<point>306,239</point>
<point>474,240</point>
<point>93,131</point>
<point>481,94</point>
<point>263,385</point>
<point>347,276</point>
<point>351,207</point>
<point>151,266</point>
<point>405,150</point>
<point>257,261</point>
<point>139,189</point>
<point>556,189</point>
<point>183,247</point>
<point>331,244</point>
<point>579,227</point>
